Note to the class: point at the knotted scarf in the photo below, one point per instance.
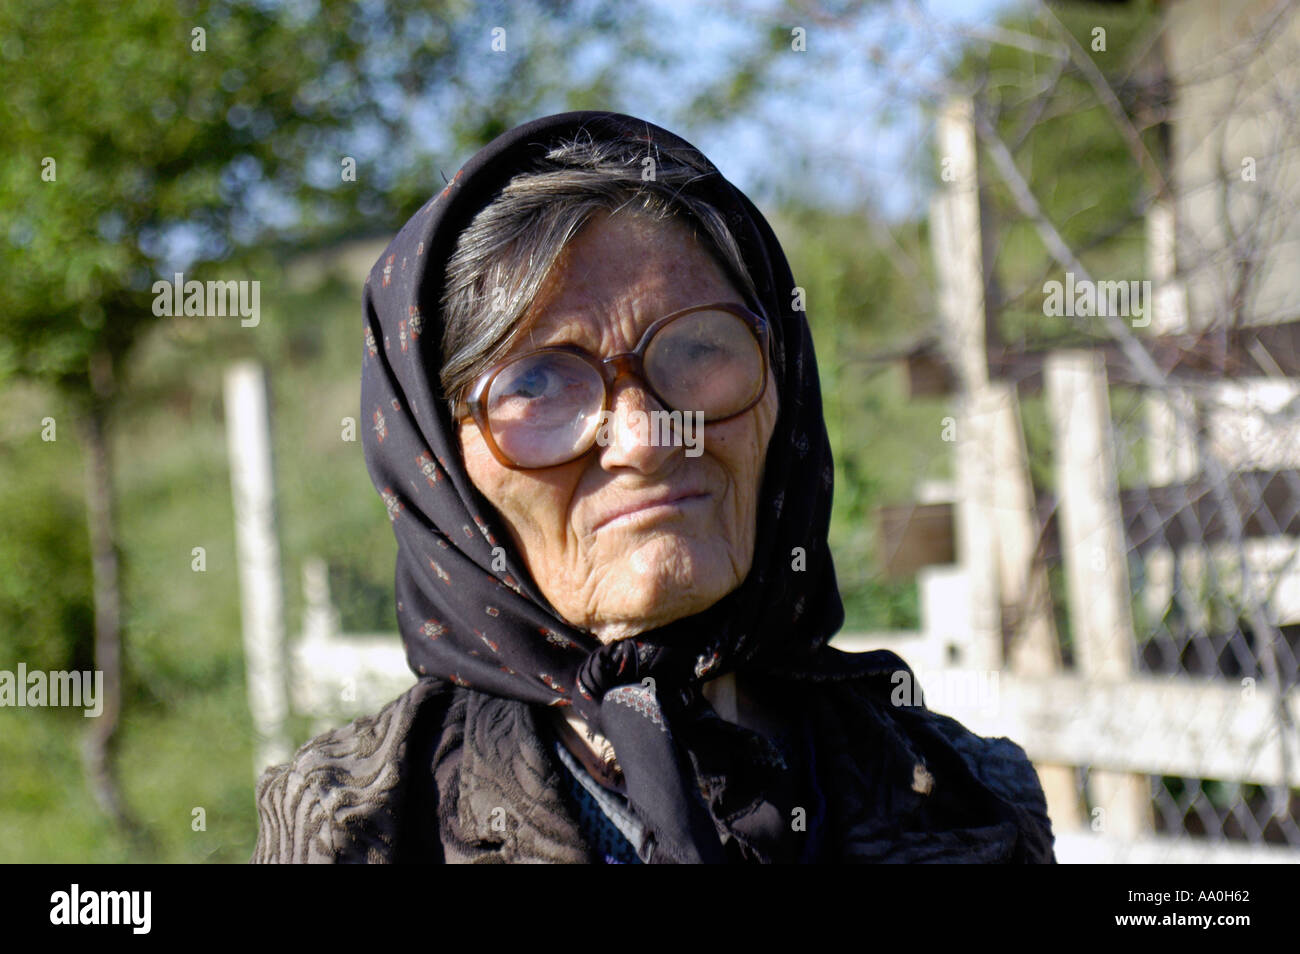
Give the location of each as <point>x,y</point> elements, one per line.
<point>470,614</point>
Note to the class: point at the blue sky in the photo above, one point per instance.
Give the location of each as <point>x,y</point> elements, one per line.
<point>836,128</point>
<point>862,128</point>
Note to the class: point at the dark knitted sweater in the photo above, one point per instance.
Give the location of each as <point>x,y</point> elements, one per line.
<point>447,774</point>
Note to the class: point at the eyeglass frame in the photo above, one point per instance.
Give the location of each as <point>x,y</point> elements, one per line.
<point>610,370</point>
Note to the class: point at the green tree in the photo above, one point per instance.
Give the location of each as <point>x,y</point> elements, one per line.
<point>150,137</point>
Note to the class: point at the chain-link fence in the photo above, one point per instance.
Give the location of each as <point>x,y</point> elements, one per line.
<point>1127,558</point>
<point>1202,477</point>
<point>1121,541</point>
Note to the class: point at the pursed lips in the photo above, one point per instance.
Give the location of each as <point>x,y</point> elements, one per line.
<point>661,500</point>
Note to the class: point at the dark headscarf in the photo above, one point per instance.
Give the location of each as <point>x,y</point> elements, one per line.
<point>491,629</point>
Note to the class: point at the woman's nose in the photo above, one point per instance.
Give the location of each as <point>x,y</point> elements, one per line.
<point>636,432</point>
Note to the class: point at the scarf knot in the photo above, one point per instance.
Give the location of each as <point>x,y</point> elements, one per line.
<point>614,664</point>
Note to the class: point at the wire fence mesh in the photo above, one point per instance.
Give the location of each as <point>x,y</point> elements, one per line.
<point>1213,581</point>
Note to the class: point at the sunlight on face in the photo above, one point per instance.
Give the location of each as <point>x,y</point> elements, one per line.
<point>689,539</point>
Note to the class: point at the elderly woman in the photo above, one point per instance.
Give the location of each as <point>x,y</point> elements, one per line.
<point>596,425</point>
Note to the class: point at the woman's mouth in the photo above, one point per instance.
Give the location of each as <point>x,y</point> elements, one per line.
<point>650,510</point>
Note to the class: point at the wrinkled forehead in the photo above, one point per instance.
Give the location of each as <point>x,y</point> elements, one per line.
<point>617,277</point>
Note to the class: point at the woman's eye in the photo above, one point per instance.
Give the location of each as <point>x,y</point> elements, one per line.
<point>538,382</point>
<point>701,352</point>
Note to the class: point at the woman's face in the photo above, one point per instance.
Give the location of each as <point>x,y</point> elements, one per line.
<point>617,577</point>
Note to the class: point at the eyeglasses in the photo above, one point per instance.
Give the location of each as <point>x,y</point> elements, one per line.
<point>545,408</point>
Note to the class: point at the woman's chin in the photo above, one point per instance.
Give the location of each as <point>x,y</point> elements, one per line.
<point>661,583</point>
<point>617,632</point>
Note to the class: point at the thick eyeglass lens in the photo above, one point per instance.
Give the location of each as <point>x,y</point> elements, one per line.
<point>706,361</point>
<point>542,408</point>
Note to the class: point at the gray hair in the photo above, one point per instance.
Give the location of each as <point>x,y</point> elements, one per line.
<point>504,256</point>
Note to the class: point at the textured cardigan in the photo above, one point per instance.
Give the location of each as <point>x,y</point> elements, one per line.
<point>448,774</point>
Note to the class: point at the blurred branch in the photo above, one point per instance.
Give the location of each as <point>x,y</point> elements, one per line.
<point>1109,100</point>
